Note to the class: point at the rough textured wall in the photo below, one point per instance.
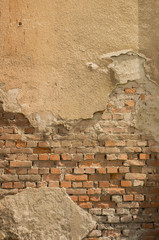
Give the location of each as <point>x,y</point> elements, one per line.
<point>79,93</point>
<point>48,56</point>
<point>106,165</point>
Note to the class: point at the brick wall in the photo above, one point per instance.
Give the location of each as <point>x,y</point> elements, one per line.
<point>107,166</point>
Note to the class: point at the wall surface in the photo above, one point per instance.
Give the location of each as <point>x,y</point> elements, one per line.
<point>79,110</point>
<point>46,69</point>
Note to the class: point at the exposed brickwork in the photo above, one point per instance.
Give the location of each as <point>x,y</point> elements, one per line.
<point>110,169</point>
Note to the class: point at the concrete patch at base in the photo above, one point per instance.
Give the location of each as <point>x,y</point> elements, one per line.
<point>43,213</point>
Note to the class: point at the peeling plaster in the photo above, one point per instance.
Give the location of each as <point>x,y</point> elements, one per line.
<point>129,66</point>
<point>121,66</point>
<point>9,99</point>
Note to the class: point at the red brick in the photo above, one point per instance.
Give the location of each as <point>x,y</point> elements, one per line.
<point>128,198</point>
<point>112,169</point>
<point>70,177</point>
<point>101,170</point>
<point>101,205</point>
<point>10,144</point>
<point>89,170</point>
<point>88,184</point>
<point>78,170</point>
<point>113,191</point>
<point>147,225</point>
<point>55,170</point>
<point>54,157</point>
<point>77,184</point>
<point>126,183</point>
<point>83,198</point>
<point>124,169</point>
<point>31,144</point>
<point>122,156</point>
<point>7,185</point>
<point>98,177</point>
<point>109,143</point>
<point>44,144</point>
<point>66,184</point>
<point>66,157</point>
<point>139,198</point>
<point>22,171</point>
<point>33,171</point>
<point>43,170</point>
<point>94,191</point>
<point>104,184</point>
<point>44,157</point>
<point>49,178</point>
<point>42,150</point>
<point>18,185</point>
<point>94,198</point>
<point>86,205</point>
<point>21,164</point>
<point>33,157</point>
<point>11,137</point>
<point>10,171</point>
<point>22,150</point>
<point>89,157</point>
<point>21,157</point>
<point>74,198</point>
<point>21,144</point>
<point>90,164</point>
<point>144,156</point>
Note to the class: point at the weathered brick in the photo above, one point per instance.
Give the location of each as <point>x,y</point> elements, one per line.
<point>112,169</point>
<point>20,164</point>
<point>114,191</point>
<point>54,184</point>
<point>49,178</point>
<point>66,157</point>
<point>65,184</point>
<point>42,150</point>
<point>44,157</point>
<point>88,184</point>
<point>71,177</point>
<point>18,185</point>
<point>83,198</point>
<point>144,156</point>
<point>138,176</point>
<point>126,183</point>
<point>128,198</point>
<point>29,178</point>
<point>77,184</point>
<point>7,185</point>
<point>85,205</point>
<point>54,157</point>
<point>55,171</point>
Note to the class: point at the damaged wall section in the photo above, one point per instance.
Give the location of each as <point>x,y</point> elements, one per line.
<point>108,167</point>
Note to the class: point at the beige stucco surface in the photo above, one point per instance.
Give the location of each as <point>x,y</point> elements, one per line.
<point>148,22</point>
<point>41,213</point>
<point>50,66</point>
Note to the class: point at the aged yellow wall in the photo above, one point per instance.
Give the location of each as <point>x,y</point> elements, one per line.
<point>149,35</point>
<point>50,64</point>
